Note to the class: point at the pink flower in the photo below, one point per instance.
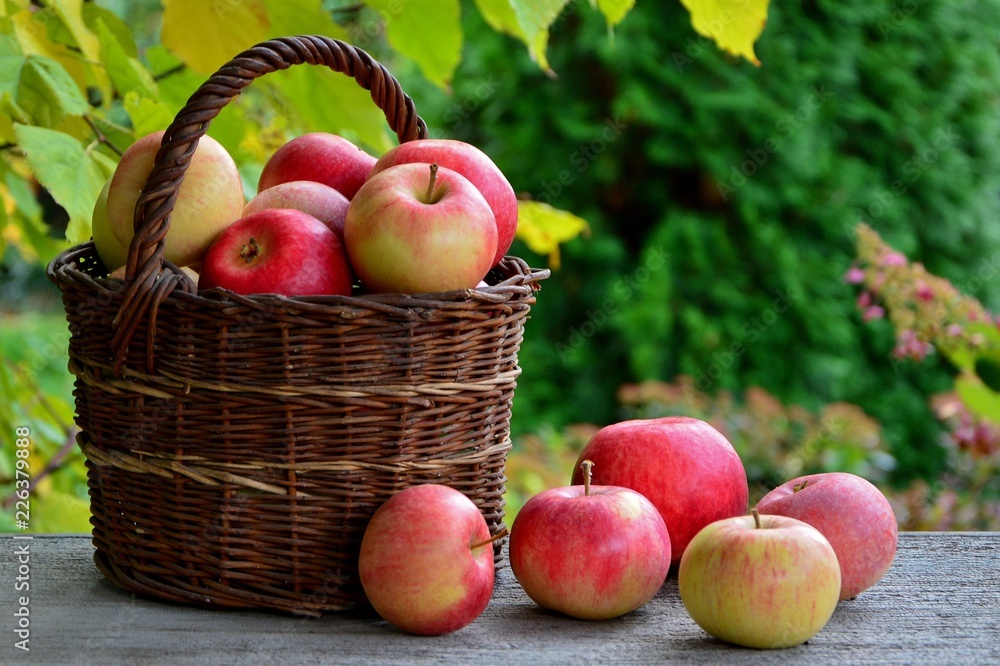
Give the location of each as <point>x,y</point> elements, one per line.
<point>864,299</point>
<point>894,259</point>
<point>954,330</point>
<point>854,275</point>
<point>873,312</point>
<point>924,292</point>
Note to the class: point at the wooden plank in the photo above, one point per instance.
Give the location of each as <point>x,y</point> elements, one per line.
<point>940,604</point>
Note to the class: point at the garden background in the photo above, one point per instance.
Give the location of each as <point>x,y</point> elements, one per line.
<point>795,240</point>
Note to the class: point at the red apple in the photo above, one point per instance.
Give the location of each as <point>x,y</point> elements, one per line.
<point>684,466</point>
<point>321,201</point>
<point>592,552</point>
<point>320,157</point>
<point>426,561</point>
<point>417,228</point>
<point>210,197</point>
<point>851,513</point>
<point>760,581</point>
<point>277,251</point>
<point>475,165</point>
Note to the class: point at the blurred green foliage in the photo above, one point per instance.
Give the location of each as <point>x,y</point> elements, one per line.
<point>722,199</point>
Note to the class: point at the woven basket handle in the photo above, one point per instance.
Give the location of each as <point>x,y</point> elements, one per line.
<point>147,287</point>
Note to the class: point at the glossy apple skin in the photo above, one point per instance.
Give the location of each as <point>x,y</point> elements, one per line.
<point>321,157</point>
<point>851,513</point>
<point>210,197</point>
<point>294,254</point>
<point>112,253</point>
<point>397,243</point>
<point>684,466</point>
<point>321,201</point>
<point>770,587</point>
<point>476,166</point>
<point>593,557</point>
<point>426,564</point>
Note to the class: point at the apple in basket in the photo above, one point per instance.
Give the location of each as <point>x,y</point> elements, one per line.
<point>321,201</point>
<point>111,251</point>
<point>426,560</point>
<point>684,466</point>
<point>592,552</point>
<point>476,166</point>
<point>209,199</point>
<point>277,251</point>
<point>420,228</point>
<point>321,157</point>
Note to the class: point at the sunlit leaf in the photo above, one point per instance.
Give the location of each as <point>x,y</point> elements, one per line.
<point>206,34</point>
<point>977,397</point>
<point>147,115</point>
<point>11,61</point>
<point>71,173</point>
<point>59,512</point>
<point>429,32</point>
<point>127,74</point>
<point>734,24</point>
<point>92,13</point>
<point>543,228</point>
<point>301,17</point>
<point>499,15</point>
<point>48,93</point>
<point>615,10</point>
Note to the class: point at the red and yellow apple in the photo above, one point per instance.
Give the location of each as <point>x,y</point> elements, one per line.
<point>426,560</point>
<point>209,199</point>
<point>417,228</point>
<point>760,581</point>
<point>476,166</point>
<point>277,251</point>
<point>684,466</point>
<point>321,157</point>
<point>111,251</point>
<point>851,513</point>
<point>321,201</point>
<point>592,552</point>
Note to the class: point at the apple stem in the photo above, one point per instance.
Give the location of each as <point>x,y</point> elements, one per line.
<point>799,486</point>
<point>587,466</point>
<point>499,535</point>
<point>429,197</point>
<point>756,517</point>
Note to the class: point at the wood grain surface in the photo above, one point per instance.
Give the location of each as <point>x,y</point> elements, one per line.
<point>939,604</point>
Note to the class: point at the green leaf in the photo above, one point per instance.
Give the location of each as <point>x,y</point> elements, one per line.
<point>206,34</point>
<point>429,32</point>
<point>734,24</point>
<point>615,10</point>
<point>977,397</point>
<point>543,228</point>
<point>499,15</point>
<point>301,17</point>
<point>11,61</point>
<point>127,74</point>
<point>535,17</point>
<point>48,93</point>
<point>92,13</point>
<point>58,512</point>
<point>147,115</point>
<point>73,174</point>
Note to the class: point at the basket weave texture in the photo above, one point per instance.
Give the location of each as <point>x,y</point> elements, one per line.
<point>237,446</point>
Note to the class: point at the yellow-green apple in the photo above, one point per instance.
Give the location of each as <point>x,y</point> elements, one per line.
<point>852,514</point>
<point>475,165</point>
<point>321,201</point>
<point>760,581</point>
<point>111,251</point>
<point>321,157</point>
<point>277,251</point>
<point>210,197</point>
<point>592,552</point>
<point>418,228</point>
<point>426,560</point>
<point>684,466</point>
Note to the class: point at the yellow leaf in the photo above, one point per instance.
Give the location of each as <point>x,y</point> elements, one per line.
<point>615,10</point>
<point>734,24</point>
<point>543,228</point>
<point>207,34</point>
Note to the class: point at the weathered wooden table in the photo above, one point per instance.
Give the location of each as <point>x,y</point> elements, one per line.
<point>940,603</point>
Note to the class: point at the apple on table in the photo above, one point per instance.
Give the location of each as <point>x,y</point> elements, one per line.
<point>476,166</point>
<point>419,228</point>
<point>851,513</point>
<point>426,560</point>
<point>684,466</point>
<point>209,199</point>
<point>591,552</point>
<point>760,581</point>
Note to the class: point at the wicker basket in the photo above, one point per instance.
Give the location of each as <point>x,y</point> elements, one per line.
<point>237,446</point>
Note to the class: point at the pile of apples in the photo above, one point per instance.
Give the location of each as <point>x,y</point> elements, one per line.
<point>430,215</point>
<point>647,496</point>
